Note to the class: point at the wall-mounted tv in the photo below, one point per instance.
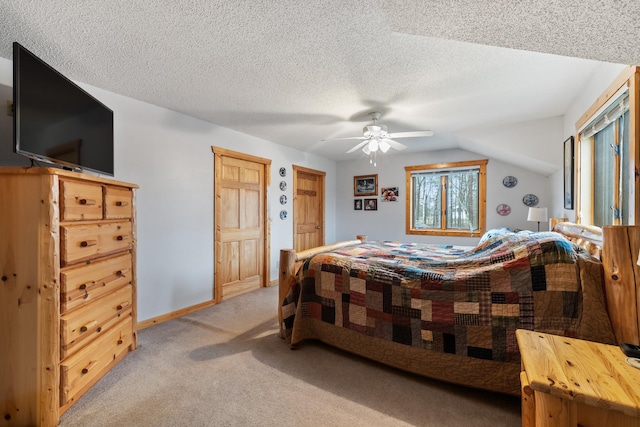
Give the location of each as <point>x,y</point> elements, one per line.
<point>56,121</point>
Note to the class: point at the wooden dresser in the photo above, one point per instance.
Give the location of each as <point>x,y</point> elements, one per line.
<point>67,288</point>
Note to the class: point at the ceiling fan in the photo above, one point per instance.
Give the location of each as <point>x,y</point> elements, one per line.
<point>375,137</point>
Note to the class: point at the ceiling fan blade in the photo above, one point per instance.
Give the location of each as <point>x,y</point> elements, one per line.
<point>342,139</point>
<point>357,147</point>
<point>411,134</point>
<point>395,144</point>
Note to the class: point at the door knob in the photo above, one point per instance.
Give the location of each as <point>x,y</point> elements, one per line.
<point>317,227</point>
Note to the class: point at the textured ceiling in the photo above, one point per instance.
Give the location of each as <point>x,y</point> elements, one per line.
<point>296,72</point>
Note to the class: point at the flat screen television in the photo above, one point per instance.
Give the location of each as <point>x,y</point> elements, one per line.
<point>56,121</point>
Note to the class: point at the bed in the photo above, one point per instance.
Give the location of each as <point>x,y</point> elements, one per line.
<point>449,312</point>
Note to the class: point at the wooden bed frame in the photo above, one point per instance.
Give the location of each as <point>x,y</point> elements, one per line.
<point>618,248</point>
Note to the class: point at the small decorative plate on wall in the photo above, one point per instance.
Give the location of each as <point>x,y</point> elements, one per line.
<point>283,214</point>
<point>510,181</point>
<point>283,172</point>
<point>283,185</point>
<point>283,200</point>
<point>503,209</point>
<point>530,200</point>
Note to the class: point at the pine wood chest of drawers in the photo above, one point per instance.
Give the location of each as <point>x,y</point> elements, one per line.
<point>67,288</point>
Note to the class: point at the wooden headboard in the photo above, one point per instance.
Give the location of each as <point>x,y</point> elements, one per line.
<point>587,236</point>
<point>618,248</point>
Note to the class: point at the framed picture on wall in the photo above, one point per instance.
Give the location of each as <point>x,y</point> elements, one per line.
<point>568,173</point>
<point>370,204</point>
<point>365,185</point>
<point>390,194</point>
<point>357,204</point>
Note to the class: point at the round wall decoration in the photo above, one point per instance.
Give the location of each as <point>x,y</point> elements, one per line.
<point>283,185</point>
<point>530,200</point>
<point>283,214</point>
<point>283,172</point>
<point>510,181</point>
<point>283,200</point>
<point>503,209</point>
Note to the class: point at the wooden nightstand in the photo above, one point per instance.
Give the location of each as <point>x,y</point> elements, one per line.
<point>569,382</point>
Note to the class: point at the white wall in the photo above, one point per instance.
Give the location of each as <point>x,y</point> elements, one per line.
<point>169,156</point>
<point>603,76</point>
<point>531,144</point>
<point>388,222</point>
<point>7,157</point>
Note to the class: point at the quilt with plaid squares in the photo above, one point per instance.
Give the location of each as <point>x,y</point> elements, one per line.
<point>459,300</point>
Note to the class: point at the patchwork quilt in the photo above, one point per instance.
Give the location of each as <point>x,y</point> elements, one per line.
<point>448,299</point>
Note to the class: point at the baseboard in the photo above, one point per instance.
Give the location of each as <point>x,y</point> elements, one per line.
<point>174,314</point>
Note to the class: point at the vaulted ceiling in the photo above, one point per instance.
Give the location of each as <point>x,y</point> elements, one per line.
<point>298,71</point>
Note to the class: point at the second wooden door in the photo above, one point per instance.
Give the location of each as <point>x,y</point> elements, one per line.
<point>308,208</point>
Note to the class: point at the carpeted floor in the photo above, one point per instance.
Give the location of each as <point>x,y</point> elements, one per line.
<point>225,366</point>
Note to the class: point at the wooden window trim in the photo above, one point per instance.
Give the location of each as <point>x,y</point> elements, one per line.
<point>482,199</point>
<point>630,76</point>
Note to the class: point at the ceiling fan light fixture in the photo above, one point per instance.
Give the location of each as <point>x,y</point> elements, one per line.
<point>376,138</point>
<point>371,130</point>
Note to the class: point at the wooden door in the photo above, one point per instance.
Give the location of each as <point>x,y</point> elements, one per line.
<point>241,229</point>
<point>308,208</point>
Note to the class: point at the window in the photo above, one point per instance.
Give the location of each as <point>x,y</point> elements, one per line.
<point>446,198</point>
<point>606,156</point>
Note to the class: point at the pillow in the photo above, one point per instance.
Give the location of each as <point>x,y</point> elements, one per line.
<point>496,232</point>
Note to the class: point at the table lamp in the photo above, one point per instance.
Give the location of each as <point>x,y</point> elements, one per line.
<point>537,215</point>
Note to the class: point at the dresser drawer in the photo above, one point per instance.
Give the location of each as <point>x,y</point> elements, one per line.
<point>81,370</point>
<point>82,285</point>
<point>92,319</point>
<point>80,201</point>
<point>117,202</point>
<point>83,242</point>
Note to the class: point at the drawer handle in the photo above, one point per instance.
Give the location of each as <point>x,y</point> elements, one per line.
<point>121,203</point>
<point>87,368</point>
<point>84,286</point>
<point>88,326</point>
<point>123,305</point>
<point>120,341</point>
<point>86,243</point>
<point>123,272</point>
<point>121,238</point>
<point>87,202</point>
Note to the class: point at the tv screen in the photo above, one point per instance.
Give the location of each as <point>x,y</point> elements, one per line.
<point>56,121</point>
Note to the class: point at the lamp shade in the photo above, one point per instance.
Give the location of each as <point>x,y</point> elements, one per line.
<point>537,214</point>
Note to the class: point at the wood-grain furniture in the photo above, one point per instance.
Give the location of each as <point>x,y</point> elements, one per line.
<point>331,279</point>
<point>568,382</point>
<point>618,247</point>
<point>67,289</point>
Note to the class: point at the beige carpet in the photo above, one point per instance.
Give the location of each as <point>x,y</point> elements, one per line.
<point>226,366</point>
